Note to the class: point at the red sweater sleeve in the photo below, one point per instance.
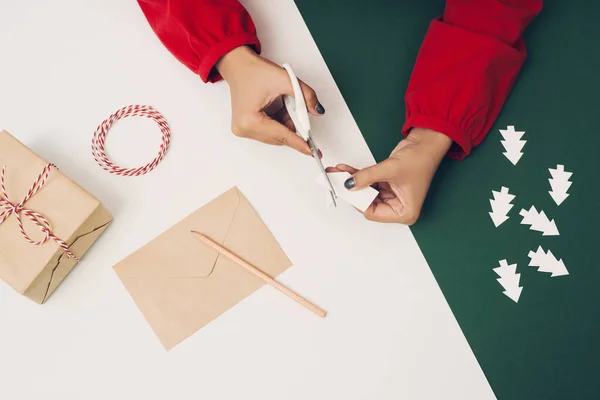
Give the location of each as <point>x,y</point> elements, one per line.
<point>199,32</point>
<point>466,67</point>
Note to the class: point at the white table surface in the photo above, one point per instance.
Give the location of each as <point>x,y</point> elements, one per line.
<point>65,66</point>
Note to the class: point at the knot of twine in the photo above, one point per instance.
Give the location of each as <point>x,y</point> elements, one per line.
<point>38,219</point>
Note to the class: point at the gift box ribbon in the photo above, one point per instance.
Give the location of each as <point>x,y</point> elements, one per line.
<point>38,219</point>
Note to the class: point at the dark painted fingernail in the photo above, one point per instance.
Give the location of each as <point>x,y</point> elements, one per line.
<point>350,183</point>
<point>320,109</point>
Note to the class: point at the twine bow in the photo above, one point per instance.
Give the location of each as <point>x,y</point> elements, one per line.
<point>38,219</point>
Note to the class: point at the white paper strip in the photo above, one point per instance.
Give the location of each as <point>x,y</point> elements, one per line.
<point>360,199</point>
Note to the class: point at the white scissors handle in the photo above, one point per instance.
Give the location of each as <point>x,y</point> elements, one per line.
<point>296,106</point>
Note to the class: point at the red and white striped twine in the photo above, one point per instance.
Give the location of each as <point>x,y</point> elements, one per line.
<point>99,152</point>
<point>38,219</point>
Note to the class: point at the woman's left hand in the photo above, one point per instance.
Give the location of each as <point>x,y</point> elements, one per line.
<point>403,179</point>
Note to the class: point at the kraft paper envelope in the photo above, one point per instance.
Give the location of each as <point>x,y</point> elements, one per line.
<point>180,284</point>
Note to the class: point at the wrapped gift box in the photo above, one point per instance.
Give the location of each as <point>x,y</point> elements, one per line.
<point>76,218</point>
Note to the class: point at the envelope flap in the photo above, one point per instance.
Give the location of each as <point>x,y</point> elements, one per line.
<point>176,253</point>
<point>250,239</point>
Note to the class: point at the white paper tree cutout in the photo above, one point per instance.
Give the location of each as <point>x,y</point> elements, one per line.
<point>512,143</point>
<point>501,205</point>
<point>546,262</point>
<point>559,183</point>
<point>539,222</point>
<point>509,279</point>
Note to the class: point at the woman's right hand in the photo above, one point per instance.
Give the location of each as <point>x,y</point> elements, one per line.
<point>257,86</point>
<point>403,179</point>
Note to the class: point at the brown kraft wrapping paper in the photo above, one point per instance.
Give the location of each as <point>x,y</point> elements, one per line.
<point>75,217</point>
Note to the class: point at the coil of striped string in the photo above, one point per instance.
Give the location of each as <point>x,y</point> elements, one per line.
<point>38,219</point>
<point>99,152</point>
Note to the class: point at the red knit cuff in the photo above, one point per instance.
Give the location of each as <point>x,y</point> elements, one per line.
<point>462,143</point>
<point>218,50</point>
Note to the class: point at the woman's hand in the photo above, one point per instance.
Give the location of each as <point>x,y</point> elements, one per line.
<point>256,85</point>
<point>403,179</point>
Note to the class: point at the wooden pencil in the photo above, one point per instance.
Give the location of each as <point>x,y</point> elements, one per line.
<point>260,274</point>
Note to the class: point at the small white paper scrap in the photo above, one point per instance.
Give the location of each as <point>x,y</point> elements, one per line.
<point>501,205</point>
<point>559,183</point>
<point>328,199</point>
<point>360,199</point>
<point>539,222</point>
<point>512,143</point>
<point>546,262</point>
<point>509,279</point>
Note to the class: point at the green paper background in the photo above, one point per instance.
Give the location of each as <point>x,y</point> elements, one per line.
<point>548,345</point>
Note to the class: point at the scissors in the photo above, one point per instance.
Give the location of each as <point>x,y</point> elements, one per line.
<point>296,107</point>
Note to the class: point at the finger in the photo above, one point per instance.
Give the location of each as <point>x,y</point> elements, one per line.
<point>385,194</point>
<point>310,96</point>
<point>286,120</point>
<point>284,117</point>
<point>275,108</point>
<point>346,168</point>
<point>384,211</point>
<point>332,169</point>
<point>272,132</point>
<point>312,102</point>
<point>366,177</point>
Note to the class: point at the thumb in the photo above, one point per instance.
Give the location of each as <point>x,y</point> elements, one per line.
<point>366,177</point>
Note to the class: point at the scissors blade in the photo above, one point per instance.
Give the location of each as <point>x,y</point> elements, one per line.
<point>315,153</point>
